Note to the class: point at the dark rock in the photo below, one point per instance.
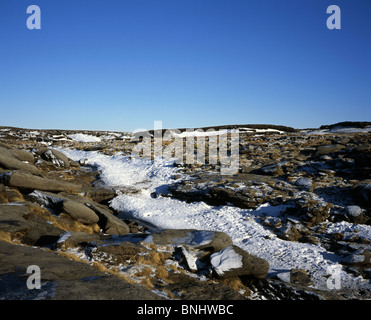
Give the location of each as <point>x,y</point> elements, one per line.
<point>329,149</point>
<point>97,147</point>
<point>20,223</point>
<point>300,276</point>
<point>108,222</point>
<point>79,212</point>
<point>61,278</point>
<point>363,191</point>
<point>100,194</point>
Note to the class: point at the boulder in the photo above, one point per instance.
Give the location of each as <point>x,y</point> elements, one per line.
<point>31,229</point>
<point>20,155</point>
<point>304,182</point>
<point>100,194</point>
<point>232,261</point>
<point>107,221</point>
<point>300,276</point>
<point>25,180</point>
<point>200,239</point>
<point>57,158</point>
<point>61,278</point>
<point>362,191</point>
<point>7,161</point>
<point>79,212</point>
<point>356,214</point>
<point>329,148</point>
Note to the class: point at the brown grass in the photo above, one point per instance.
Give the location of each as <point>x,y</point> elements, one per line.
<point>10,195</point>
<point>145,272</point>
<point>162,273</point>
<point>7,237</point>
<point>236,284</point>
<point>66,224</point>
<point>147,283</point>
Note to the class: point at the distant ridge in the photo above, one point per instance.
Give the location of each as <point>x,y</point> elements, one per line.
<point>348,124</point>
<point>237,126</point>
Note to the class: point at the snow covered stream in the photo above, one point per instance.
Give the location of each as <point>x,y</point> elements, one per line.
<point>242,225</point>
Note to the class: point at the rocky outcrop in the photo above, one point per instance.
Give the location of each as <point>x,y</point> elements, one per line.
<point>59,207</point>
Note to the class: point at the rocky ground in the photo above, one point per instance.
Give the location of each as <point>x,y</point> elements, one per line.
<point>54,213</point>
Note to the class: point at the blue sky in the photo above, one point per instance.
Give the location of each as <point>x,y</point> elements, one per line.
<point>120,65</point>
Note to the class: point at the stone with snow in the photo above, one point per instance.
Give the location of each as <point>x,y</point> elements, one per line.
<point>304,182</point>
<point>54,156</point>
<point>233,261</point>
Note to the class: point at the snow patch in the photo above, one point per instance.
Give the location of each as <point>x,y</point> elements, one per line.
<point>225,260</point>
<point>81,137</point>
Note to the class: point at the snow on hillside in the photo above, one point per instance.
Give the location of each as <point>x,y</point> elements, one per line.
<point>242,225</point>
<point>81,137</point>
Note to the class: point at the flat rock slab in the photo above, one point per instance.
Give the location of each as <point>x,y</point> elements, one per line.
<point>61,278</point>
<point>80,212</point>
<point>25,180</point>
<point>31,229</point>
<point>9,162</point>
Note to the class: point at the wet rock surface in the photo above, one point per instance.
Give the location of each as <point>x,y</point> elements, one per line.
<point>53,208</point>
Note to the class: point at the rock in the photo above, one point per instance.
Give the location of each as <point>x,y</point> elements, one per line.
<point>200,239</point>
<point>300,276</point>
<point>25,180</point>
<point>108,222</point>
<point>328,149</point>
<point>20,155</point>
<point>8,162</point>
<point>79,212</point>
<point>272,169</point>
<point>75,239</point>
<point>354,211</point>
<point>97,147</point>
<point>100,194</point>
<point>116,254</point>
<point>18,221</point>
<point>360,258</point>
<point>233,261</point>
<point>356,215</point>
<point>304,182</point>
<point>190,258</point>
<point>289,232</point>
<point>61,278</point>
<point>57,158</point>
<point>362,191</point>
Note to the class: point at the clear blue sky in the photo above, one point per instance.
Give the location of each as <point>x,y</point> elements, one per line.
<point>120,64</point>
